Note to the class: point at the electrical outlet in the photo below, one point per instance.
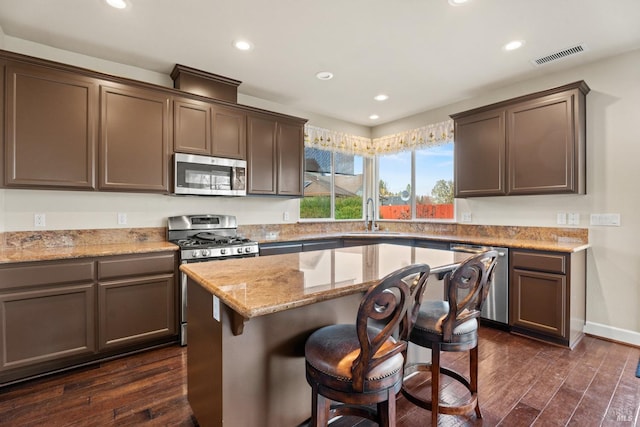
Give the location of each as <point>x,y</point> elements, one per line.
<point>39,220</point>
<point>466,217</point>
<point>285,216</point>
<point>122,218</point>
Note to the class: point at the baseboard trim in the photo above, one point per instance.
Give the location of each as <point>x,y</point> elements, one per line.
<point>611,333</point>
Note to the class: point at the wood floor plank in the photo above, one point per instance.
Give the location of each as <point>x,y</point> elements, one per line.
<point>522,382</point>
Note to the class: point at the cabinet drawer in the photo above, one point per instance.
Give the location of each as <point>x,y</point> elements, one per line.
<point>136,265</point>
<point>553,263</point>
<point>38,274</point>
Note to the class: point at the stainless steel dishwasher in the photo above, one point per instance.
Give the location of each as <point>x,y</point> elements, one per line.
<point>496,307</point>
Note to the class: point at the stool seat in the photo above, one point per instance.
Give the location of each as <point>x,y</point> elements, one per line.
<point>428,328</point>
<point>332,350</point>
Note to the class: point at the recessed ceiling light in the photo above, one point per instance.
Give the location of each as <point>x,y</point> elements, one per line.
<point>381,97</point>
<point>324,75</point>
<point>243,45</point>
<point>457,2</point>
<point>118,4</point>
<point>374,117</point>
<point>513,45</point>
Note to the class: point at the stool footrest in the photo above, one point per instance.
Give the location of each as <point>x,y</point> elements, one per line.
<point>443,408</point>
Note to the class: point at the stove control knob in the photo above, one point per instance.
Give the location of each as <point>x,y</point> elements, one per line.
<point>247,249</point>
<point>239,250</point>
<point>223,251</point>
<point>195,253</point>
<point>205,252</point>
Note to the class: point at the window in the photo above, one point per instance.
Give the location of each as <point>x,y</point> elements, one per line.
<point>427,170</point>
<point>333,185</point>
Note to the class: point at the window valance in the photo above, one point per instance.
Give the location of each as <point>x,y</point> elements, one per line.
<point>426,136</point>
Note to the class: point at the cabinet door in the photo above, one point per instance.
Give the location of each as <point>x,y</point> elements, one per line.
<point>479,154</point>
<point>543,150</point>
<point>538,302</point>
<point>134,140</point>
<point>133,311</point>
<point>51,128</point>
<point>192,127</point>
<point>262,163</point>
<point>229,133</point>
<point>46,324</point>
<point>290,159</point>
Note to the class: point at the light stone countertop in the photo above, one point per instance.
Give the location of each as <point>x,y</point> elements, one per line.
<point>263,285</point>
<point>560,245</point>
<point>82,251</point>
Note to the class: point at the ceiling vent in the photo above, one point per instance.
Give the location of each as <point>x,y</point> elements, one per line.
<point>556,56</point>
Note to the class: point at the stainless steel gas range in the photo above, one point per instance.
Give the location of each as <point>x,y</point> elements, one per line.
<point>205,238</point>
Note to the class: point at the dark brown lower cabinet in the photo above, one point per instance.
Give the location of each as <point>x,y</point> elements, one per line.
<point>136,299</point>
<point>133,311</point>
<point>547,294</point>
<point>59,314</point>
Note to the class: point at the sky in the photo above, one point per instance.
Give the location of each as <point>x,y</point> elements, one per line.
<point>432,165</point>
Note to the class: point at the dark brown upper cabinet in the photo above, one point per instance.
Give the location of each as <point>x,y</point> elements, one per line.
<point>209,129</point>
<point>51,128</point>
<point>192,127</point>
<point>229,132</point>
<point>479,153</point>
<point>134,139</point>
<point>275,155</point>
<point>534,144</point>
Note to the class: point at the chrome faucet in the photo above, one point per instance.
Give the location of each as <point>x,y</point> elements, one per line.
<point>373,216</point>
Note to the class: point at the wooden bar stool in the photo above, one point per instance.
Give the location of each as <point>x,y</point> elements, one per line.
<point>451,326</point>
<point>362,364</point>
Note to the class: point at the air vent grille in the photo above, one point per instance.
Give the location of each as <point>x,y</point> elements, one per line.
<point>574,50</point>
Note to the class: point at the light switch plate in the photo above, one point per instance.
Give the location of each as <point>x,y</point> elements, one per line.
<point>561,218</point>
<point>573,218</point>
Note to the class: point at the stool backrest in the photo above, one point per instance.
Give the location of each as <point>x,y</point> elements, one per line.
<point>385,305</point>
<point>467,288</point>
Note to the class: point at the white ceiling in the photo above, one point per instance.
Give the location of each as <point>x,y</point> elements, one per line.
<point>422,53</point>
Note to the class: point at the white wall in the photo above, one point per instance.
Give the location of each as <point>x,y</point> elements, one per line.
<point>79,210</point>
<point>613,150</point>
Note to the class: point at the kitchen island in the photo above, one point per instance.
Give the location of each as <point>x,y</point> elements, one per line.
<point>248,320</point>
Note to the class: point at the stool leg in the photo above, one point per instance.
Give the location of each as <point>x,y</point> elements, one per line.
<point>320,407</point>
<point>473,377</point>
<point>387,411</point>
<point>435,383</point>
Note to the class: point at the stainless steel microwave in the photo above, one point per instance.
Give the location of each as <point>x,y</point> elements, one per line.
<point>209,176</point>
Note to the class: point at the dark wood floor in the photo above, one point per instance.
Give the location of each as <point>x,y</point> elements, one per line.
<point>522,383</point>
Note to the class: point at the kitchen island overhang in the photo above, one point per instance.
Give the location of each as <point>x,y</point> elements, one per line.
<point>254,374</point>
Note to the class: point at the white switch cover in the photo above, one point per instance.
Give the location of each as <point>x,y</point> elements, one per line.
<point>122,218</point>
<point>561,218</point>
<point>573,218</point>
<point>39,220</point>
<point>285,216</point>
<point>605,219</point>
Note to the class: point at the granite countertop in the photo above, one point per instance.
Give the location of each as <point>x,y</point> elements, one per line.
<point>14,255</point>
<point>559,245</point>
<point>258,286</point>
